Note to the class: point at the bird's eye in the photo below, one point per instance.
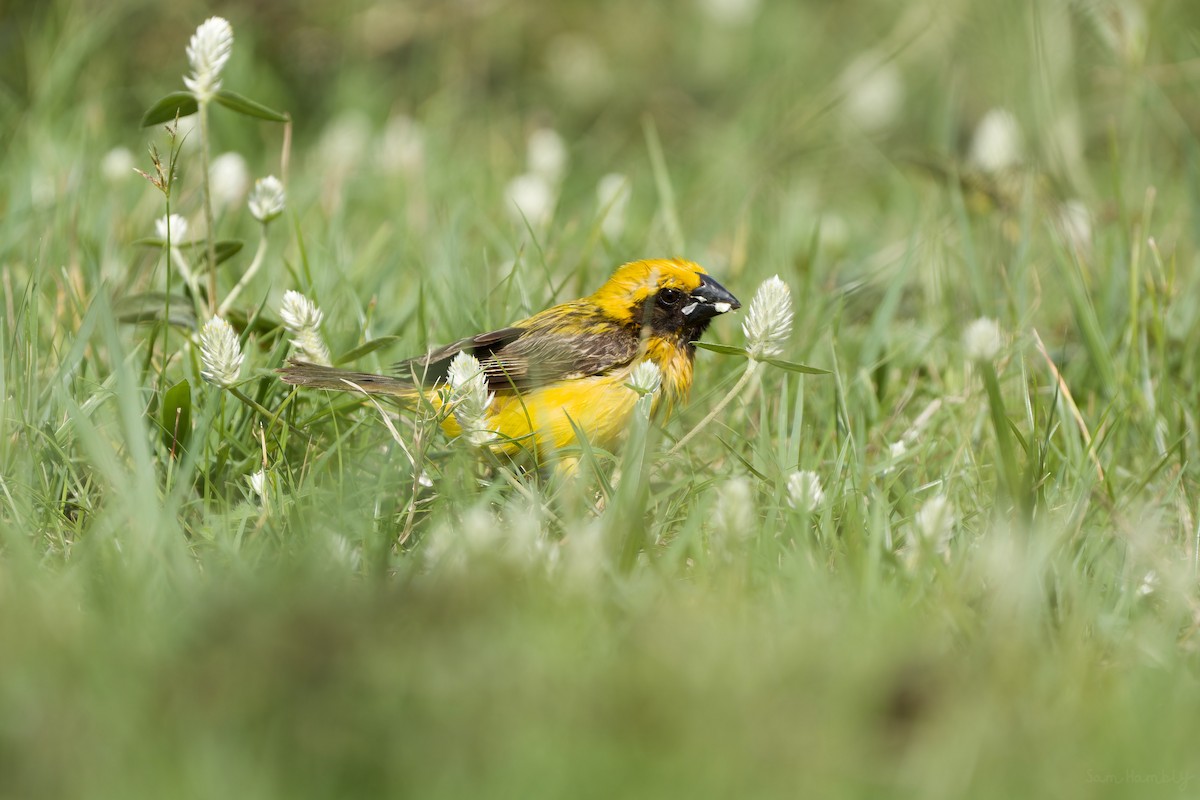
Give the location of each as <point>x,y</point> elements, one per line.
<point>669,297</point>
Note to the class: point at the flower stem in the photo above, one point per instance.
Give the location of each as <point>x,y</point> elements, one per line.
<point>255,265</point>
<point>751,370</point>
<point>240,395</point>
<point>1009,470</point>
<point>210,233</point>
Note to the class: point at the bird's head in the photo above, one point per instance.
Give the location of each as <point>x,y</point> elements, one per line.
<point>669,296</point>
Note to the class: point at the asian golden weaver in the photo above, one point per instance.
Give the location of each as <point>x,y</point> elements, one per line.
<point>567,366</point>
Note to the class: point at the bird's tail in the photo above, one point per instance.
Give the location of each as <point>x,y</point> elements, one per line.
<point>315,376</point>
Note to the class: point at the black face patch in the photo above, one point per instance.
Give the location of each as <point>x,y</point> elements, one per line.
<point>662,313</point>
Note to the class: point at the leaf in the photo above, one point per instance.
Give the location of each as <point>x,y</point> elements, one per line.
<point>745,462</point>
<point>149,307</point>
<point>723,349</point>
<point>226,248</point>
<point>250,108</point>
<point>792,366</point>
<point>177,417</point>
<point>181,104</point>
<point>365,348</point>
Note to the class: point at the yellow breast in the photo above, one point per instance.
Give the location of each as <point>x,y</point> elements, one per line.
<point>541,419</point>
<point>601,406</point>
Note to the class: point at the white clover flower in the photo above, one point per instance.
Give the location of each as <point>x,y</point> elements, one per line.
<point>228,179</point>
<point>267,199</point>
<point>178,228</point>
<point>470,398</point>
<point>874,91</point>
<point>402,146</point>
<point>207,52</point>
<point>220,353</point>
<point>530,197</point>
<point>804,490</point>
<point>303,319</point>
<point>769,320</point>
<point>612,197</point>
<point>645,378</point>
<point>982,339</point>
<point>996,144</point>
<point>935,523</point>
<point>117,165</point>
<point>730,13</point>
<point>546,154</point>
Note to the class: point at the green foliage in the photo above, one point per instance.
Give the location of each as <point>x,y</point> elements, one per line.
<point>990,590</point>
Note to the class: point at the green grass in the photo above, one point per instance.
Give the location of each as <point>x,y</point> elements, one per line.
<point>400,616</point>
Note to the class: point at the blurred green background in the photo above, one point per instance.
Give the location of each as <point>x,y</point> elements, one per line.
<point>158,643</point>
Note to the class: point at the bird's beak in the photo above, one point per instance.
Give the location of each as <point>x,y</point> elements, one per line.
<point>708,300</point>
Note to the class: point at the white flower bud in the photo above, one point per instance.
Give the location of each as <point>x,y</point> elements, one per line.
<point>343,142</point>
<point>996,144</point>
<point>178,229</point>
<point>935,523</point>
<point>470,398</point>
<point>117,165</point>
<point>402,146</point>
<point>982,339</point>
<point>769,321</point>
<point>730,13</point>
<point>530,197</point>
<point>1074,220</point>
<point>220,353</point>
<point>258,483</point>
<point>874,91</point>
<point>645,378</point>
<point>612,197</point>
<point>546,154</point>
<point>267,199</point>
<point>207,52</point>
<point>303,319</point>
<point>804,490</point>
<point>734,514</point>
<point>228,179</point>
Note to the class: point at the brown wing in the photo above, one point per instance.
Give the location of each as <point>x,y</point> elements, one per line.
<point>570,341</point>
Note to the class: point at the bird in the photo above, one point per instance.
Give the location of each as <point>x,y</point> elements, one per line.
<point>566,369</point>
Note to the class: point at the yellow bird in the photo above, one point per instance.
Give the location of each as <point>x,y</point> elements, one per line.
<point>567,366</point>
